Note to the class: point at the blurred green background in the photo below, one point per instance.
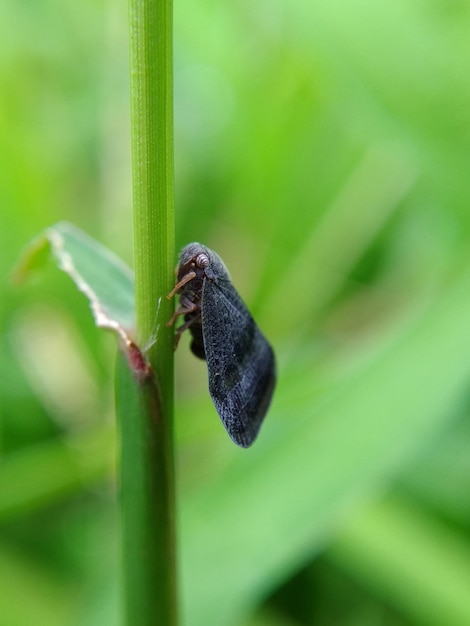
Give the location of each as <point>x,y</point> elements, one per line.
<point>323,149</point>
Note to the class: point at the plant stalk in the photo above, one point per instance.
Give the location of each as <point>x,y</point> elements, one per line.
<point>147,463</point>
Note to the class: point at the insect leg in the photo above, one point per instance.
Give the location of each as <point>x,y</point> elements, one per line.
<point>182,309</point>
<point>185,326</point>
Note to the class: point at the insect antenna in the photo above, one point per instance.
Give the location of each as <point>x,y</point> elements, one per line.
<point>189,276</point>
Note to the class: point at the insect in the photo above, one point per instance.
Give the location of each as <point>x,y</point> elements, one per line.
<point>240,361</point>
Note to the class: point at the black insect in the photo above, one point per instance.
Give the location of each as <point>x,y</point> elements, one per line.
<point>240,362</point>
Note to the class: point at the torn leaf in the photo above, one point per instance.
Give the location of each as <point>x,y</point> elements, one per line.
<point>97,272</point>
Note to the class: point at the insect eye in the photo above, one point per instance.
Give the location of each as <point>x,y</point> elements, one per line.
<point>202,260</point>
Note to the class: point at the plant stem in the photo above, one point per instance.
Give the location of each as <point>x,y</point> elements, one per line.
<point>152,167</point>
<point>147,503</point>
<point>146,426</point>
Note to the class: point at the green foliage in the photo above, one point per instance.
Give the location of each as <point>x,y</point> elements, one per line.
<point>321,148</point>
<point>106,282</point>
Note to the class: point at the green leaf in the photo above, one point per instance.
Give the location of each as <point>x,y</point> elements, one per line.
<point>30,595</point>
<point>97,272</point>
<point>409,559</point>
<point>59,467</point>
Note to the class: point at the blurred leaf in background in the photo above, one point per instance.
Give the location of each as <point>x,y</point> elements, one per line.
<point>322,150</point>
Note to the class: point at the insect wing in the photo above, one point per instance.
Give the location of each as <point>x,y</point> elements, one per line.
<point>240,362</point>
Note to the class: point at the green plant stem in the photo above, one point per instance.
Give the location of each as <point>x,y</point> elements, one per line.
<point>147,503</point>
<point>152,170</point>
<point>147,474</point>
